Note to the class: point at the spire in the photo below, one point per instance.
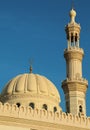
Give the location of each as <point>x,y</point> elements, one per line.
<point>73,30</point>
<point>31,69</point>
<point>72,4</point>
<point>72,13</point>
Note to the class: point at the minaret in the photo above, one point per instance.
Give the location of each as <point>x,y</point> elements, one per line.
<point>75,85</point>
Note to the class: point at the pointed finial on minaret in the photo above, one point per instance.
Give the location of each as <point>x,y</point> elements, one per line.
<point>31,69</point>
<point>72,13</point>
<point>72,4</point>
<point>31,66</point>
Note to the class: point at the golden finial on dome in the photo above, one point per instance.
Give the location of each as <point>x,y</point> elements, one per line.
<point>31,66</point>
<point>31,69</point>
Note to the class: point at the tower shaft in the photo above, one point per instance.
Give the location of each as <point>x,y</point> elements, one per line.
<point>75,85</point>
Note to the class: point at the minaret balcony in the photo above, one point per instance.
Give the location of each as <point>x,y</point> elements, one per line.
<point>73,53</point>
<point>73,48</point>
<point>79,80</point>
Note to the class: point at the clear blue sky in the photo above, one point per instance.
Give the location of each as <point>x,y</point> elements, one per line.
<point>34,29</point>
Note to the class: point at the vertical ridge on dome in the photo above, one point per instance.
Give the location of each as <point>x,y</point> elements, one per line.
<point>37,83</point>
<point>42,85</point>
<point>20,84</point>
<point>31,83</point>
<point>25,84</point>
<point>14,86</point>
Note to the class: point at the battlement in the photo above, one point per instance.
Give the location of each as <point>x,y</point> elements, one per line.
<point>62,118</point>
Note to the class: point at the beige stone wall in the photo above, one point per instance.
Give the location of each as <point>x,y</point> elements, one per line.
<point>77,98</point>
<point>5,127</point>
<point>75,95</point>
<point>74,58</point>
<point>22,124</point>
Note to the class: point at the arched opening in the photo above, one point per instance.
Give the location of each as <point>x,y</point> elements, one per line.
<point>80,109</point>
<point>45,106</point>
<point>76,37</point>
<point>76,40</point>
<point>32,105</point>
<point>68,37</point>
<point>18,104</point>
<point>71,37</point>
<point>55,109</point>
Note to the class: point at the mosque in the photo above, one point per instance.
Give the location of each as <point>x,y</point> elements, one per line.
<point>32,102</point>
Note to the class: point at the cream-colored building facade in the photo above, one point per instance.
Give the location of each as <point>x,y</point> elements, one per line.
<point>32,102</point>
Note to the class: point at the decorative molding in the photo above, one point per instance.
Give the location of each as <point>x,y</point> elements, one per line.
<point>74,53</point>
<point>74,86</point>
<point>21,96</point>
<point>76,80</point>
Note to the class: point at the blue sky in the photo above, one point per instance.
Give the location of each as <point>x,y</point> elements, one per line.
<point>34,29</point>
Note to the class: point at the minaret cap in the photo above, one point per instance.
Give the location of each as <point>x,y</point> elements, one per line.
<point>72,15</point>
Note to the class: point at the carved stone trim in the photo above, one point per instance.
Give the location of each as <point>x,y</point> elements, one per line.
<point>74,86</point>
<point>29,96</point>
<point>73,54</point>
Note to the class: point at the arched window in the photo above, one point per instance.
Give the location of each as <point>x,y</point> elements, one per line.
<point>54,109</point>
<point>80,109</point>
<point>32,105</point>
<point>18,104</point>
<point>45,106</point>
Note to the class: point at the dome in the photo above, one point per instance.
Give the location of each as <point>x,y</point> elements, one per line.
<point>28,88</point>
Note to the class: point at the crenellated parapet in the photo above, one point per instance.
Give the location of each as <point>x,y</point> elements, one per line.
<point>27,113</point>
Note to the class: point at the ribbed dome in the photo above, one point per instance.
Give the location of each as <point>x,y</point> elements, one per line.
<point>32,83</point>
<point>30,86</point>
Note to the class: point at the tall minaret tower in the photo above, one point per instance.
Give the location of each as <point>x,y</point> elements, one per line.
<point>75,85</point>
